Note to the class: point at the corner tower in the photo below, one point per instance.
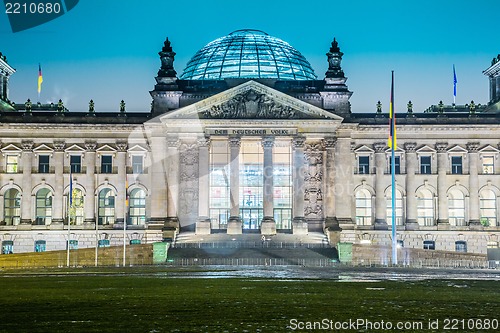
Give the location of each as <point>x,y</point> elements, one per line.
<point>5,72</point>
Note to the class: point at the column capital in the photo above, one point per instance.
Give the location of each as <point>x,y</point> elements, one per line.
<point>441,147</point>
<point>410,147</point>
<point>472,147</point>
<point>27,145</point>
<point>59,145</point>
<point>203,142</point>
<point>329,142</point>
<point>298,142</point>
<point>121,145</point>
<point>379,147</point>
<point>90,145</point>
<point>173,142</point>
<point>234,141</point>
<point>267,142</point>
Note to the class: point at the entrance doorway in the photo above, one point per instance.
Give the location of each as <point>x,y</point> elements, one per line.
<point>251,218</point>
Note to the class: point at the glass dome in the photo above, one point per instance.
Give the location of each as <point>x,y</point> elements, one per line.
<point>248,54</point>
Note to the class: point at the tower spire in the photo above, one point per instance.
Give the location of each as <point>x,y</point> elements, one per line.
<point>334,60</point>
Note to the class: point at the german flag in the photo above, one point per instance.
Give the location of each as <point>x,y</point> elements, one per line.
<point>391,141</point>
<point>40,79</point>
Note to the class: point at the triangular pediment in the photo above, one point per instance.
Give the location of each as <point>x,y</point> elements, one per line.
<point>457,149</point>
<point>43,148</point>
<point>489,149</point>
<point>137,149</point>
<point>11,149</point>
<point>75,149</point>
<point>363,149</point>
<point>106,149</point>
<point>398,150</point>
<point>250,100</point>
<point>425,150</point>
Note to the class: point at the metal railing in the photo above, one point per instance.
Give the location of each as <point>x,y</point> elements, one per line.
<point>249,245</point>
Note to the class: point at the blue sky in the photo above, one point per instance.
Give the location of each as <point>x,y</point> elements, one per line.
<point>107,50</point>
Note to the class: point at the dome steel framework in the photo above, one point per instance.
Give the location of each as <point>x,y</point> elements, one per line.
<point>248,54</point>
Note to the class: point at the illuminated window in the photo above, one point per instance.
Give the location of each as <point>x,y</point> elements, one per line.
<point>220,202</point>
<point>76,211</point>
<point>43,207</point>
<point>12,163</point>
<point>488,165</point>
<point>425,207</point>
<point>363,207</point>
<point>40,245</point>
<point>137,209</point>
<point>251,184</point>
<point>7,247</point>
<point>12,207</point>
<point>456,207</point>
<point>399,207</point>
<point>106,212</point>
<point>488,207</point>
<point>282,179</point>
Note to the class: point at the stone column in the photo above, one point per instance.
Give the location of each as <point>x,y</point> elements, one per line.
<point>474,215</point>
<point>411,187</point>
<point>234,225</point>
<point>26,200</point>
<point>268,225</point>
<point>329,199</point>
<point>342,181</point>
<point>442,164</point>
<point>380,201</point>
<point>121,166</point>
<point>299,225</point>
<point>57,200</point>
<point>158,173</point>
<point>203,226</point>
<point>2,97</point>
<point>89,202</point>
<point>173,144</point>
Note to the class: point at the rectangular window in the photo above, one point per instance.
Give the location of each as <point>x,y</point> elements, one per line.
<point>456,165</point>
<point>488,165</point>
<point>425,165</point>
<point>106,164</point>
<point>461,246</point>
<point>397,164</point>
<point>103,243</point>
<point>135,242</point>
<point>429,245</point>
<point>40,245</point>
<point>43,163</point>
<point>73,244</point>
<point>12,163</point>
<point>7,247</point>
<point>137,164</point>
<point>75,162</point>
<point>364,165</point>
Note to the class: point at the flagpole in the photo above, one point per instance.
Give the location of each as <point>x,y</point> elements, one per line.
<point>96,239</point>
<point>454,85</point>
<point>393,177</point>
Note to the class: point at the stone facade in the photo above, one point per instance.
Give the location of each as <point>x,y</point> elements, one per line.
<point>293,158</point>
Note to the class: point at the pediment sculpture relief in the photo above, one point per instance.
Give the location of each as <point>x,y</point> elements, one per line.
<point>253,105</point>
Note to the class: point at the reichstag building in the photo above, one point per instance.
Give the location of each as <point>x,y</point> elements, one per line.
<point>248,139</point>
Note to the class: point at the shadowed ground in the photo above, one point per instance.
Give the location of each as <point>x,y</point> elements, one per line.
<point>159,299</point>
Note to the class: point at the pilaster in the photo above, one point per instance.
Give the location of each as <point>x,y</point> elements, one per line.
<point>89,202</point>
<point>26,200</point>
<point>329,201</point>
<point>173,144</point>
<point>380,201</point>
<point>234,225</point>
<point>57,202</point>
<point>343,183</point>
<point>203,224</point>
<point>298,224</point>
<point>411,199</point>
<point>121,189</point>
<point>442,164</point>
<point>268,225</point>
<point>474,215</point>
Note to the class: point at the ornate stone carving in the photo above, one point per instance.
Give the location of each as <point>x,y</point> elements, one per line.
<point>27,145</point>
<point>329,143</point>
<point>334,60</point>
<point>298,142</point>
<point>203,142</point>
<point>313,177</point>
<point>472,147</point>
<point>267,142</point>
<point>189,153</point>
<point>90,145</point>
<point>410,147</point>
<point>167,56</point>
<point>441,147</point>
<point>121,145</point>
<point>251,104</point>
<point>173,142</point>
<point>188,177</point>
<point>379,147</point>
<point>59,145</point>
<point>234,142</point>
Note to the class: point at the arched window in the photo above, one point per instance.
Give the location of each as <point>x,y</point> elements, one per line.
<point>12,207</point>
<point>137,210</point>
<point>425,207</point>
<point>363,207</point>
<point>106,212</point>
<point>43,207</point>
<point>76,207</point>
<point>488,207</point>
<point>456,207</point>
<point>399,207</point>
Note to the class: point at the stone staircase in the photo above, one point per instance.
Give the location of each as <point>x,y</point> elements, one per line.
<point>251,249</point>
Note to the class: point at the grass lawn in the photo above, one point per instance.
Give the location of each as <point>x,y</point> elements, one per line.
<point>151,302</point>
